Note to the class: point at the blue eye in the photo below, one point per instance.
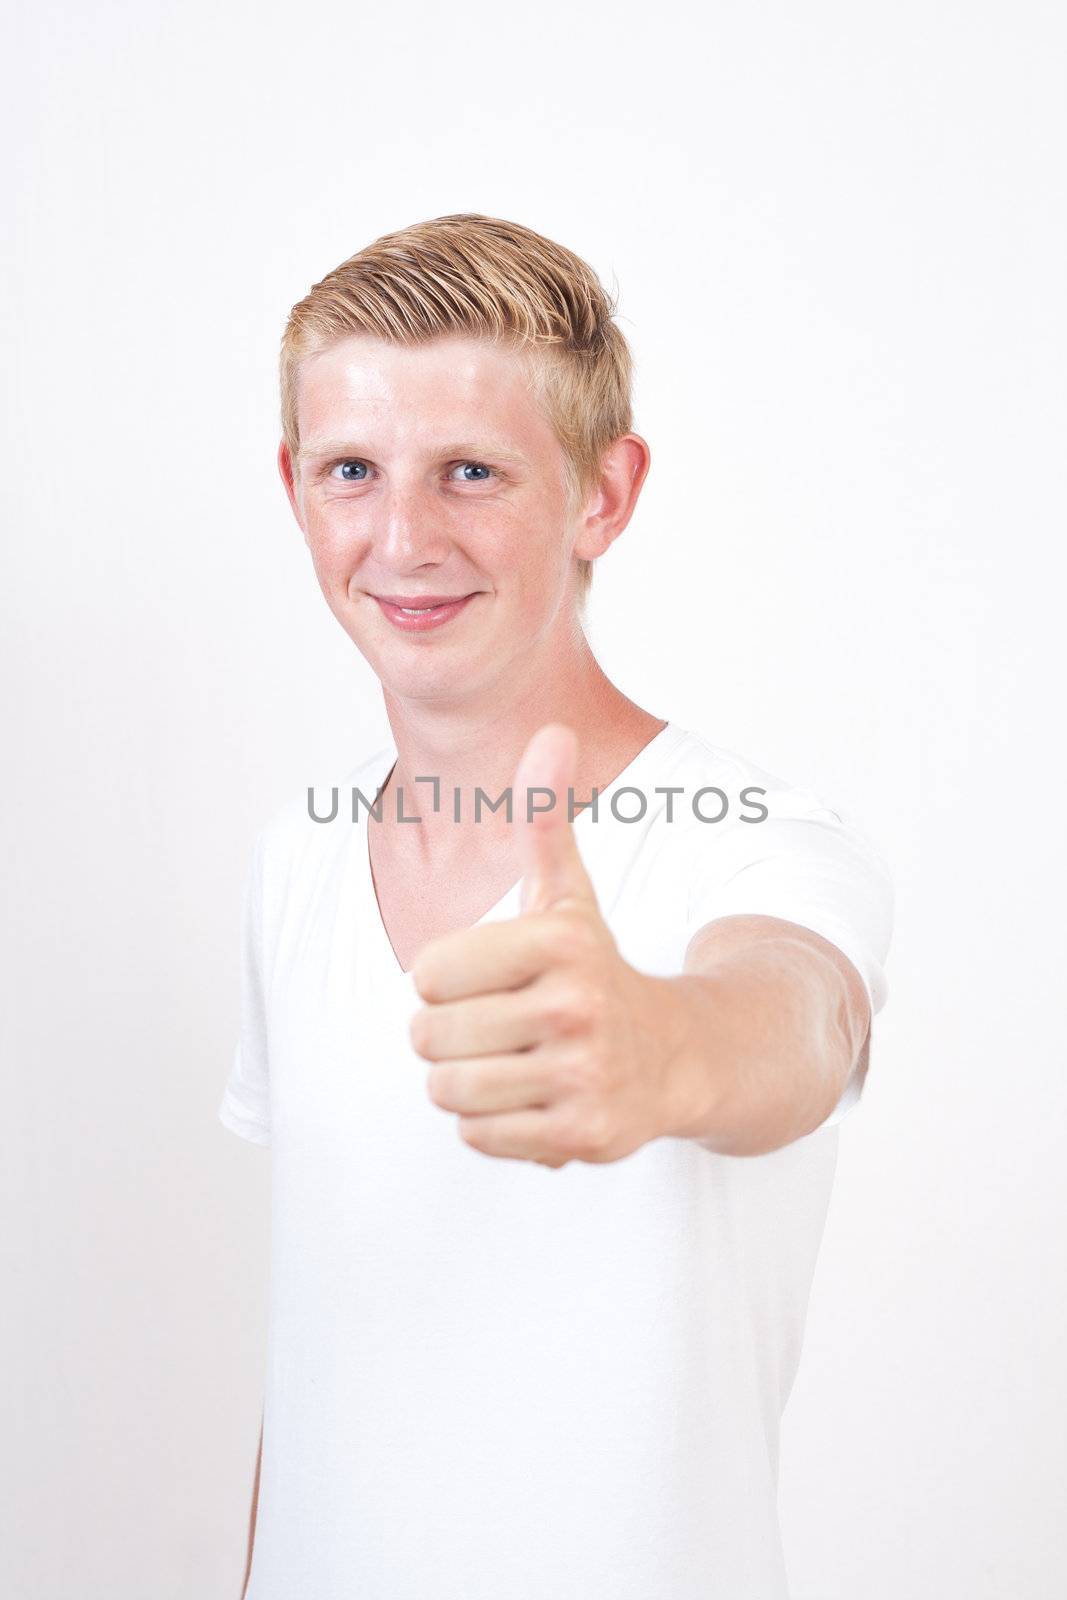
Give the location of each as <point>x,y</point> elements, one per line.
<point>354,471</point>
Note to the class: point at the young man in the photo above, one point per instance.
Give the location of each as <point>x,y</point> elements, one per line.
<point>551,1093</point>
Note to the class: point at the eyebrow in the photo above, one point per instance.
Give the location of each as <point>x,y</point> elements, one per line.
<point>468,451</point>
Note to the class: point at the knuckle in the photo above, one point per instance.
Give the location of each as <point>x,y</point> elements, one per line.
<point>566,1139</point>
<point>587,1134</point>
<point>553,1161</point>
<point>598,1134</point>
<point>569,1003</point>
<point>595,1001</point>
<point>571,938</point>
<point>579,1135</point>
<point>579,1073</point>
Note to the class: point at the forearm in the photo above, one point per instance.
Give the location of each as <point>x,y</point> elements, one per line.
<point>759,1043</point>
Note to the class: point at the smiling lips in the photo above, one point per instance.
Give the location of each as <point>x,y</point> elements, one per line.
<point>417,613</point>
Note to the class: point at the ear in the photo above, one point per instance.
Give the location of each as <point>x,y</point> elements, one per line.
<point>609,507</point>
<point>288,476</point>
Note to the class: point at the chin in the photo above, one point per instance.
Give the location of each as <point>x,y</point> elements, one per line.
<point>435,674</point>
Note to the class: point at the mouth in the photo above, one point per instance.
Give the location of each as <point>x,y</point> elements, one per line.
<point>417,613</point>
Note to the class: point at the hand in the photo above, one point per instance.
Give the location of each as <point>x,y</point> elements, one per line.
<point>548,1045</point>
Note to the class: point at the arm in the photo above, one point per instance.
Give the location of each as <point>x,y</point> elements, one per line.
<point>252,1519</point>
<point>767,1022</point>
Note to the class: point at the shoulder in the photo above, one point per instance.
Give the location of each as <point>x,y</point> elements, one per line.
<point>697,763</point>
<point>735,812</point>
<point>801,858</point>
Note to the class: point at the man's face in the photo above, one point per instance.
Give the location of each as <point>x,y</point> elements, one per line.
<point>428,471</point>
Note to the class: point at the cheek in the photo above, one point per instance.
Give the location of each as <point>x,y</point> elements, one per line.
<point>336,538</point>
<point>541,558</point>
<point>530,547</point>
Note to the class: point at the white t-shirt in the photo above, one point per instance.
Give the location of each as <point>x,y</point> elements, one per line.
<point>487,1377</point>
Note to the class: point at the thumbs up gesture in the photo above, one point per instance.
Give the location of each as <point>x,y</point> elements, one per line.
<point>546,1043</point>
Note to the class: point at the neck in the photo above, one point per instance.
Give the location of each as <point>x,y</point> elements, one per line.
<point>478,743</point>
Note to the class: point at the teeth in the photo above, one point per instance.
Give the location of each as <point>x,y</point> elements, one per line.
<point>412,611</point>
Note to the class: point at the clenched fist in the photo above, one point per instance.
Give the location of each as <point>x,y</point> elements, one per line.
<point>548,1045</point>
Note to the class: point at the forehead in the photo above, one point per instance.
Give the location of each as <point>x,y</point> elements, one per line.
<point>452,382</point>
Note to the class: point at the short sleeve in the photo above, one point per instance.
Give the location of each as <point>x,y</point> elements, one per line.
<point>245,1104</point>
<point>806,864</point>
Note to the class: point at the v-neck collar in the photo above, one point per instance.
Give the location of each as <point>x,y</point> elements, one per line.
<point>381,766</point>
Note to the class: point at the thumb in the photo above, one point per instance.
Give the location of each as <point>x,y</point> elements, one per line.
<point>552,865</point>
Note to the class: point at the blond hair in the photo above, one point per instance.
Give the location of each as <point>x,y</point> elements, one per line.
<point>477,275</point>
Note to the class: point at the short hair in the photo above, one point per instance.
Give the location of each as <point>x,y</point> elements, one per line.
<point>496,280</point>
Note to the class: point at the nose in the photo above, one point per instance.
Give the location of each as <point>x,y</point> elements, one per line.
<point>411,532</point>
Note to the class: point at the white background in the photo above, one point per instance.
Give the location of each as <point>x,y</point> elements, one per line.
<point>838,236</point>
